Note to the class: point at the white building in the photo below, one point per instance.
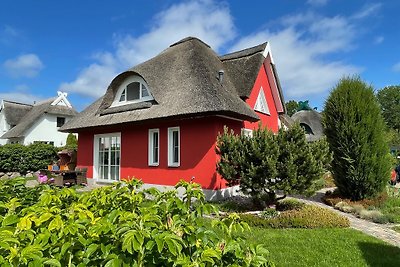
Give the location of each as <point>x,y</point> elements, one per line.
<point>26,124</point>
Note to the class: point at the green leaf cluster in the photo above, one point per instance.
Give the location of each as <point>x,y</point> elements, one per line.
<point>266,163</point>
<point>72,142</point>
<point>354,128</point>
<point>121,225</point>
<point>20,158</point>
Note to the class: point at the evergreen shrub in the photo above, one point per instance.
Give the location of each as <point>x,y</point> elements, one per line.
<point>354,128</point>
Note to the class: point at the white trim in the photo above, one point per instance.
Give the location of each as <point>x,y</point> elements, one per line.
<point>247,132</point>
<point>261,104</point>
<point>170,148</point>
<point>267,51</point>
<point>151,146</point>
<point>96,138</point>
<point>124,85</point>
<point>61,100</point>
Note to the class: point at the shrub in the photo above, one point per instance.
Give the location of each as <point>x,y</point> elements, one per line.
<point>72,142</point>
<point>308,217</point>
<point>269,213</point>
<point>266,163</point>
<point>354,128</point>
<point>122,225</point>
<point>20,158</point>
<point>289,204</point>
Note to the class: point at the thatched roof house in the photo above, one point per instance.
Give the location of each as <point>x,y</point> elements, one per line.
<point>310,120</point>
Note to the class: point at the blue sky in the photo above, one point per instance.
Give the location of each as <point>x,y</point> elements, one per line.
<point>79,46</point>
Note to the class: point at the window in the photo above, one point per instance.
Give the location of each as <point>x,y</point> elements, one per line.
<point>261,103</point>
<point>154,147</point>
<point>247,132</point>
<point>60,121</point>
<point>173,147</point>
<point>107,153</point>
<point>132,90</point>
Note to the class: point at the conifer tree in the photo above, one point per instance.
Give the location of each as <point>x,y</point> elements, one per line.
<point>354,128</point>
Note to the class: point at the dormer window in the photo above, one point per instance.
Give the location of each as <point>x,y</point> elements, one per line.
<point>132,90</point>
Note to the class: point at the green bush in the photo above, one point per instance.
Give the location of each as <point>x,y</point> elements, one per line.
<point>354,128</point>
<point>269,213</point>
<point>72,142</point>
<point>20,158</point>
<point>266,163</point>
<point>307,217</point>
<point>289,204</point>
<point>122,225</point>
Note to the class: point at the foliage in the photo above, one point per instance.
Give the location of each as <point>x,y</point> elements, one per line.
<point>354,128</point>
<point>72,142</point>
<point>269,213</point>
<point>266,162</point>
<point>389,100</point>
<point>289,204</point>
<point>121,225</point>
<point>291,107</point>
<point>308,216</point>
<point>20,158</point>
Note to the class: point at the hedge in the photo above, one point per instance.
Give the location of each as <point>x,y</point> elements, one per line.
<point>20,158</point>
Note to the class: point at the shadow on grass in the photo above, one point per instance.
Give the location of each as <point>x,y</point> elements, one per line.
<point>378,254</point>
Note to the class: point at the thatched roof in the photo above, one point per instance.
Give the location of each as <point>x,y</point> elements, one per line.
<point>244,63</point>
<point>183,80</point>
<point>14,111</point>
<point>311,119</point>
<point>36,112</point>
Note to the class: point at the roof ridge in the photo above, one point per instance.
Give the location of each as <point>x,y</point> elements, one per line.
<point>244,52</point>
<point>187,39</point>
<point>19,103</point>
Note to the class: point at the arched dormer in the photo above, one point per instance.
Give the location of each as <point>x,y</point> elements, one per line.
<point>133,89</point>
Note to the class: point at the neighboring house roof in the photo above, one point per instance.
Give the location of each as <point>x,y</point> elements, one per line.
<point>14,111</point>
<point>312,119</point>
<point>183,79</point>
<point>286,120</point>
<point>35,113</point>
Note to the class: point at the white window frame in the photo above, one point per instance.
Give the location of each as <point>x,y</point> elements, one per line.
<point>151,147</point>
<point>171,148</point>
<point>247,132</point>
<point>123,87</point>
<point>261,102</point>
<point>96,156</point>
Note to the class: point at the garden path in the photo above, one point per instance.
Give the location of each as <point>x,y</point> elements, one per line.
<point>381,231</point>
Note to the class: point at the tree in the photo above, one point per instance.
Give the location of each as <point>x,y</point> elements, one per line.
<point>72,142</point>
<point>267,163</point>
<point>291,107</point>
<point>354,128</point>
<point>389,100</point>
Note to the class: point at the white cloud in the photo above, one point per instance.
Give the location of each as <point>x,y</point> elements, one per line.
<point>301,49</point>
<point>367,10</point>
<point>27,65</point>
<point>205,19</point>
<point>396,67</point>
<point>317,2</point>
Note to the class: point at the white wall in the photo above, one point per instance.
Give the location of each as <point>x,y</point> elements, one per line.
<point>45,129</point>
<point>4,127</point>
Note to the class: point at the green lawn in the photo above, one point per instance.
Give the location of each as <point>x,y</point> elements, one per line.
<point>324,247</point>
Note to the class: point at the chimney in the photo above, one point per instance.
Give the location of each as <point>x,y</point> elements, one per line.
<point>221,76</point>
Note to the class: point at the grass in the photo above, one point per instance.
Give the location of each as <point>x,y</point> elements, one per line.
<point>324,247</point>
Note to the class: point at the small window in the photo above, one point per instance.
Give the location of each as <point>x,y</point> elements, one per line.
<point>261,103</point>
<point>60,121</point>
<point>173,147</point>
<point>154,147</point>
<point>247,132</point>
<point>134,91</point>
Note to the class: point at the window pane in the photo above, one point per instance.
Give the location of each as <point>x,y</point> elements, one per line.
<point>133,91</point>
<point>122,98</point>
<point>105,173</point>
<point>175,146</point>
<point>144,91</point>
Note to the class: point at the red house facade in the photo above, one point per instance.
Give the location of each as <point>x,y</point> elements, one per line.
<point>159,120</point>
